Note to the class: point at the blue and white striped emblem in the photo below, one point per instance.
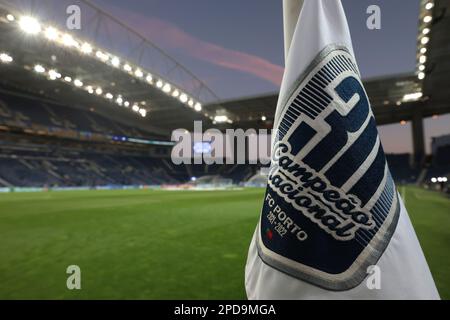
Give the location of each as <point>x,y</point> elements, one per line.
<point>331,206</point>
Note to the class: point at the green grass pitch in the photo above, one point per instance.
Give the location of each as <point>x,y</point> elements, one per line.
<point>144,244</point>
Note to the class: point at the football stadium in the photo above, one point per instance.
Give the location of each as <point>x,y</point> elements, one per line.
<point>87,176</point>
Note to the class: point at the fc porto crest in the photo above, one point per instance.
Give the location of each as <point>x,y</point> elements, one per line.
<point>331,206</point>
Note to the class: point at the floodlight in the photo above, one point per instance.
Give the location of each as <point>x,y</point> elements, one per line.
<point>183,98</point>
<point>86,48</point>
<point>51,33</point>
<point>39,69</point>
<point>127,68</point>
<point>167,88</point>
<point>138,73</point>
<point>30,25</point>
<point>5,58</point>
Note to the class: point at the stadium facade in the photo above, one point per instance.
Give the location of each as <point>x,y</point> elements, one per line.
<point>84,109</point>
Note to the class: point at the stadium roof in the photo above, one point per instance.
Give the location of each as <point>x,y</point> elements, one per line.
<point>86,70</point>
<point>394,98</point>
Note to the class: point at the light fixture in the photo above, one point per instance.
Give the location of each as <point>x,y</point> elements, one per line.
<point>423,50</point>
<point>127,68</point>
<point>138,73</point>
<point>143,112</point>
<point>86,48</point>
<point>183,98</point>
<point>39,69</point>
<point>175,93</point>
<point>159,84</point>
<point>119,100</point>
<point>149,78</point>
<point>191,103</point>
<point>422,59</point>
<point>198,106</point>
<point>78,83</point>
<point>429,5</point>
<point>135,108</point>
<point>421,75</point>
<point>98,91</point>
<point>115,62</point>
<point>102,56</point>
<point>67,79</point>
<point>69,41</point>
<point>53,75</point>
<point>412,96</point>
<point>434,180</point>
<point>263,118</point>
<point>90,89</point>
<point>167,88</point>
<point>427,19</point>
<point>426,31</point>
<point>30,25</point>
<point>421,67</point>
<point>5,58</point>
<point>221,119</point>
<point>10,17</point>
<point>126,104</point>
<point>424,40</point>
<point>109,96</point>
<point>51,33</point>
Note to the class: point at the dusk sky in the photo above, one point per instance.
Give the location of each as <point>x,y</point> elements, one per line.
<point>236,46</point>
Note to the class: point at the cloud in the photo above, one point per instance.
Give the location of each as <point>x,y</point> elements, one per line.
<point>167,35</point>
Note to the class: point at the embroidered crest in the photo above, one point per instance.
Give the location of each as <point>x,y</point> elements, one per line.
<point>331,206</point>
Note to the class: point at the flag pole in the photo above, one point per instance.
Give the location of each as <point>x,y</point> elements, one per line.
<point>291,12</point>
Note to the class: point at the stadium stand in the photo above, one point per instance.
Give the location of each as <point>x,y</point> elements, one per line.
<point>440,165</point>
<point>27,112</point>
<point>47,144</point>
<point>401,169</point>
<point>44,168</point>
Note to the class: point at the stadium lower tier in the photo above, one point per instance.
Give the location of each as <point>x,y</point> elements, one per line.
<point>43,167</point>
<point>49,165</point>
<point>29,160</point>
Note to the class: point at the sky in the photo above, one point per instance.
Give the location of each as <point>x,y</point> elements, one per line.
<point>236,46</point>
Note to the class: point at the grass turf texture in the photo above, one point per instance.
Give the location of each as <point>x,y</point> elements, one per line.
<point>143,244</point>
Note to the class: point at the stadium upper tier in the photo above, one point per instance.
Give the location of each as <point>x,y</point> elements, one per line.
<point>21,111</point>
<point>127,73</point>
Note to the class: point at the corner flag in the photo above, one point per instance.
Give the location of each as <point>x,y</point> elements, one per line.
<point>331,215</point>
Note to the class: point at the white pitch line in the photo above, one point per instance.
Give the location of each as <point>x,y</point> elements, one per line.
<point>404,195</point>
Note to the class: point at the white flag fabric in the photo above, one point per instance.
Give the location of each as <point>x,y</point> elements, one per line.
<point>332,224</point>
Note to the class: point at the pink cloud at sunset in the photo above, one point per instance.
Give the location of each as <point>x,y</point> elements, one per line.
<point>169,36</point>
